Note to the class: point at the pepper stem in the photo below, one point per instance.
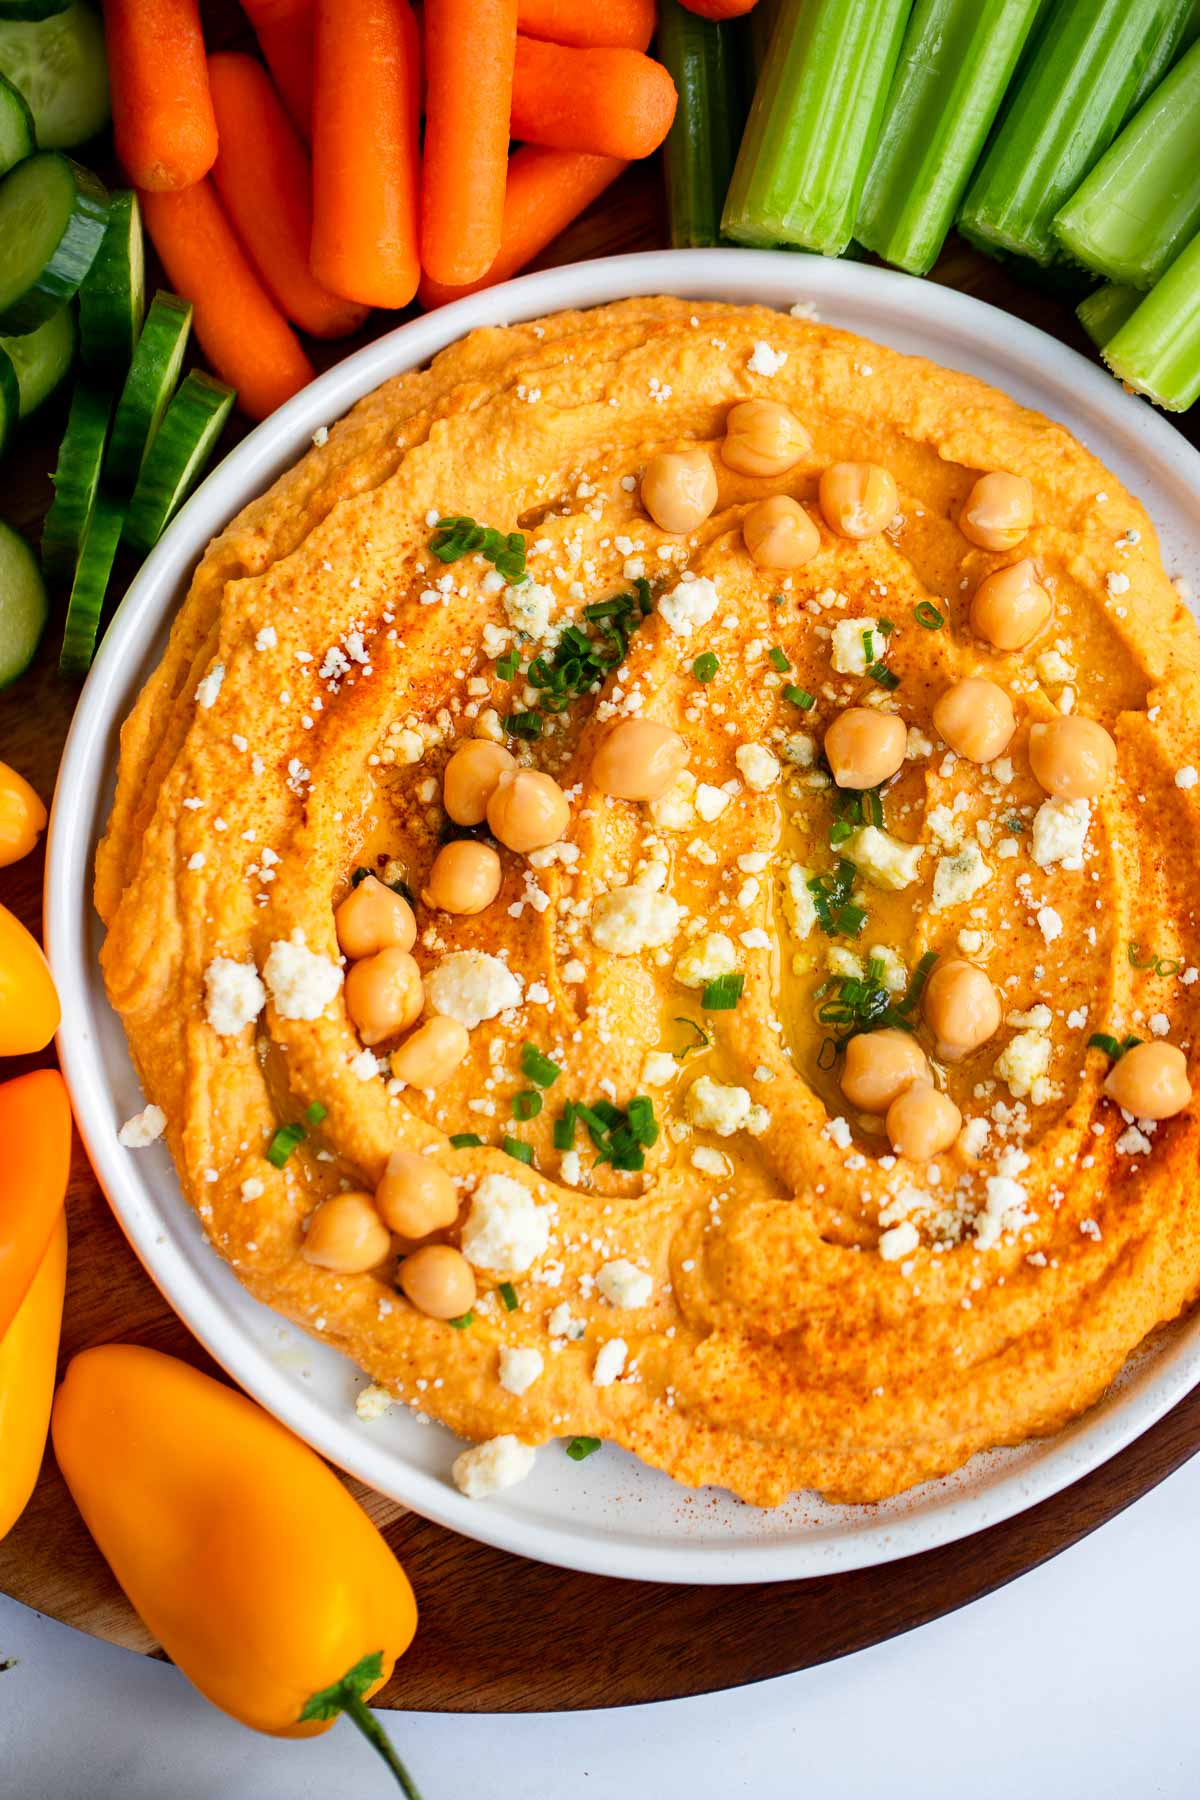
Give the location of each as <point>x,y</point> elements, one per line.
<point>356,1708</point>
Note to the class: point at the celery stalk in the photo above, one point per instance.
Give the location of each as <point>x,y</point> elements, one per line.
<point>1090,66</point>
<point>814,122</point>
<point>703,60</point>
<point>1105,310</point>
<point>1141,203</point>
<point>957,61</point>
<point>1157,350</point>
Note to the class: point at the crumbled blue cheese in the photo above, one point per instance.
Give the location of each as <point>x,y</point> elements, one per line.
<point>848,645</point>
<point>714,1107</point>
<point>884,860</point>
<point>610,1362</point>
<point>471,986</point>
<point>492,1466</point>
<point>957,878</point>
<point>629,919</point>
<point>143,1128</point>
<point>623,1284</point>
<point>758,767</point>
<point>1060,829</point>
<point>520,1367</point>
<point>689,605</point>
<point>233,995</point>
<point>506,1230</point>
<point>301,982</point>
<point>708,957</point>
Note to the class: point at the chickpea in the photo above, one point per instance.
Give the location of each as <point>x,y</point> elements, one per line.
<point>763,438</point>
<point>1150,1081</point>
<point>384,995</point>
<point>415,1196</point>
<point>921,1121</point>
<point>961,1007</point>
<point>998,511</point>
<point>1010,607</point>
<point>638,760</point>
<point>465,877</point>
<point>372,918</point>
<point>430,1054</point>
<point>779,534</point>
<point>879,1065</point>
<point>1072,757</point>
<point>439,1281</point>
<point>858,500</point>
<point>528,810</point>
<point>347,1235</point>
<point>679,489</point>
<point>865,747</point>
<point>976,718</point>
<point>470,779</point>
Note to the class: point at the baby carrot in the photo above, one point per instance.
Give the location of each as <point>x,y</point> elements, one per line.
<point>263,176</point>
<point>546,190</point>
<point>244,335</point>
<point>719,9</point>
<point>284,29</point>
<point>469,51</point>
<point>163,122</point>
<point>605,102</point>
<point>365,157</point>
<point>628,24</point>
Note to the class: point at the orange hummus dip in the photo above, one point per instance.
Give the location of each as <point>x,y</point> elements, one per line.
<point>618,981</point>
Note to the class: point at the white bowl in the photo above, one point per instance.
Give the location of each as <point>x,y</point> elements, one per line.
<point>610,1515</point>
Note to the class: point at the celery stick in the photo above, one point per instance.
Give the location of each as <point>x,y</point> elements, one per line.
<point>1105,310</point>
<point>762,24</point>
<point>1088,69</point>
<point>1141,203</point>
<point>814,122</point>
<point>957,61</point>
<point>703,59</point>
<point>1157,350</point>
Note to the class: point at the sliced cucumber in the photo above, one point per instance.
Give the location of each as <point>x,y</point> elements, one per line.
<point>10,399</point>
<point>17,140</point>
<point>32,9</point>
<point>42,358</point>
<point>112,300</point>
<point>88,588</point>
<point>191,426</point>
<point>59,65</point>
<point>76,479</point>
<point>52,218</point>
<point>148,387</point>
<point>23,605</point>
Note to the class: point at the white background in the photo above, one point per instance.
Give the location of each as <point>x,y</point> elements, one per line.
<point>1081,1681</point>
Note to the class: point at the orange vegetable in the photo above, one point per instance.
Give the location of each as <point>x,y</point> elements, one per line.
<point>35,1130</point>
<point>163,122</point>
<point>244,335</point>
<point>604,102</point>
<point>263,176</point>
<point>22,817</point>
<point>29,1009</point>
<point>546,190</point>
<point>719,9</point>
<point>469,50</point>
<point>365,151</point>
<point>28,1351</point>
<point>241,1550</point>
<point>627,23</point>
<point>284,29</point>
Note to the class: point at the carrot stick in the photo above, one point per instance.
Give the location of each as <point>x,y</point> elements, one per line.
<point>546,190</point>
<point>365,155</point>
<point>244,335</point>
<point>163,121</point>
<point>719,9</point>
<point>605,102</point>
<point>626,24</point>
<point>284,29</point>
<point>469,51</point>
<point>263,177</point>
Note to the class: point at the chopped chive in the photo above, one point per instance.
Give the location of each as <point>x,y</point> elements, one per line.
<point>526,1105</point>
<point>886,677</point>
<point>839,831</point>
<point>828,1053</point>
<point>537,1067</point>
<point>459,535</point>
<point>702,1038</point>
<point>1101,1040</point>
<point>465,1140</point>
<point>779,659</point>
<point>581,1447</point>
<point>642,1122</point>
<point>920,976</point>
<point>886,626</point>
<point>522,1153</point>
<point>507,665</point>
<point>463,1322</point>
<point>524,724</point>
<point>927,614</point>
<point>1168,965</point>
<point>723,993</point>
<point>799,697</point>
<point>360,874</point>
<point>564,1128</point>
<point>868,644</point>
<point>286,1139</point>
<point>508,1294</point>
<point>1138,957</point>
<point>705,666</point>
<point>850,920</point>
<point>315,1113</point>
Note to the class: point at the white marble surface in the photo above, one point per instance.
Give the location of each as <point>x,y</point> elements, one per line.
<point>1078,1682</point>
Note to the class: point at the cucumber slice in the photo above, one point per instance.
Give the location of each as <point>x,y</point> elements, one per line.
<point>59,65</point>
<point>52,218</point>
<point>88,588</point>
<point>112,299</point>
<point>175,461</point>
<point>148,386</point>
<point>76,479</point>
<point>32,9</point>
<point>17,140</point>
<point>42,358</point>
<point>23,605</point>
<point>10,399</point>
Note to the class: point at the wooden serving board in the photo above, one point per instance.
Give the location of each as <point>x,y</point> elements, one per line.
<point>585,1641</point>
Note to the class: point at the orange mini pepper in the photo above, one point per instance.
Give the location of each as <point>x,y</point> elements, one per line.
<point>35,1160</point>
<point>264,1581</point>
<point>28,1352</point>
<point>22,816</point>
<point>29,1009</point>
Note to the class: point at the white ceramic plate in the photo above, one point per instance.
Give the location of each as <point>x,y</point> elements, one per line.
<point>609,1515</point>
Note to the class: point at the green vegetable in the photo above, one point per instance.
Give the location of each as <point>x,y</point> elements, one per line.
<point>701,1041</point>
<point>883,676</point>
<point>508,664</point>
<point>283,1141</point>
<point>112,299</point>
<point>537,1067</point>
<point>705,666</point>
<point>1101,1040</point>
<point>835,912</point>
<point>1103,312</point>
<point>580,1448</point>
<point>42,359</point>
<point>17,139</point>
<point>578,662</point>
<point>457,535</point>
<point>723,993</point>
<point>76,479</point>
<point>508,1294</point>
<point>1157,350</point>
<point>927,614</point>
<point>465,1140</point>
<point>148,388</point>
<point>463,1322</point>
<point>799,697</point>
<point>563,1135</point>
<point>59,65</point>
<point>90,585</point>
<point>527,1104</point>
<point>177,456</point>
<point>522,1153</point>
<point>701,56</point>
<point>24,607</point>
<point>52,218</point>
<point>779,659</point>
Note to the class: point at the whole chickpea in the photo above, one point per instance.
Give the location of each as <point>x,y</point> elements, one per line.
<point>415,1196</point>
<point>998,511</point>
<point>762,438</point>
<point>961,1008</point>
<point>1010,606</point>
<point>976,719</point>
<point>865,747</point>
<point>465,877</point>
<point>779,534</point>
<point>431,1053</point>
<point>347,1235</point>
<point>639,759</point>
<point>921,1122</point>
<point>1072,757</point>
<point>679,489</point>
<point>1150,1081</point>
<point>372,918</point>
<point>528,810</point>
<point>384,994</point>
<point>470,779</point>
<point>858,500</point>
<point>439,1281</point>
<point>878,1066</point>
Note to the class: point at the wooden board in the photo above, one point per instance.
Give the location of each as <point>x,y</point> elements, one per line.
<point>585,1641</point>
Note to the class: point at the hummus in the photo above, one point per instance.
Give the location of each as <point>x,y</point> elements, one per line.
<point>775,1299</point>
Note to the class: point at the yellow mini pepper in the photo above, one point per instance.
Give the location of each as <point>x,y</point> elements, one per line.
<point>29,1009</point>
<point>28,1352</point>
<point>264,1581</point>
<point>22,816</point>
